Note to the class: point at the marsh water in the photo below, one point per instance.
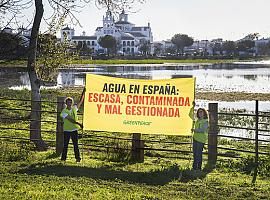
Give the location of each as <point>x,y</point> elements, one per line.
<point>233,77</point>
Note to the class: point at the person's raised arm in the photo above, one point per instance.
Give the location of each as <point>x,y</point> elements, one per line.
<point>81,99</point>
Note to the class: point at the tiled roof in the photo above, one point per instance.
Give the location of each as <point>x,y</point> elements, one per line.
<point>137,34</point>
<point>84,37</point>
<point>125,37</point>
<point>66,28</point>
<point>122,22</point>
<point>139,28</point>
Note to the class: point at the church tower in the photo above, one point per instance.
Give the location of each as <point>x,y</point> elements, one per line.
<point>67,33</point>
<point>123,17</point>
<point>108,20</point>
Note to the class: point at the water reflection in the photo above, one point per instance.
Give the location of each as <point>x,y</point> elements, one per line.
<point>250,77</point>
<point>239,77</point>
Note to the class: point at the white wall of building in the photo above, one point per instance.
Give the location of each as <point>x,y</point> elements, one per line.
<point>121,30</point>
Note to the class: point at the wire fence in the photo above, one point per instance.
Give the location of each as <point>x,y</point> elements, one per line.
<point>251,129</point>
<point>237,134</point>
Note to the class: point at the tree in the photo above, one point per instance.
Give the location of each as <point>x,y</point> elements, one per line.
<point>252,36</point>
<point>118,45</point>
<point>144,46</point>
<point>229,47</point>
<point>62,9</point>
<point>170,50</point>
<point>51,56</point>
<point>83,50</point>
<point>10,9</point>
<point>157,48</point>
<point>264,49</point>
<point>245,45</point>
<point>181,41</point>
<point>216,47</point>
<point>108,42</point>
<point>11,46</point>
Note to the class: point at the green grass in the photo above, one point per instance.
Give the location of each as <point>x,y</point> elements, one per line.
<point>126,61</point>
<point>150,61</point>
<point>11,63</point>
<point>41,175</point>
<point>232,96</point>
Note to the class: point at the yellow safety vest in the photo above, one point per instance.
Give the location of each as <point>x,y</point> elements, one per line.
<point>69,126</point>
<point>201,137</point>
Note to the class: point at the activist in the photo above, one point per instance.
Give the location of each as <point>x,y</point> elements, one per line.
<point>69,115</point>
<point>200,137</point>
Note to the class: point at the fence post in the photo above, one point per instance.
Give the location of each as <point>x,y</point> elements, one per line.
<point>59,126</point>
<point>256,142</point>
<point>212,135</point>
<point>137,148</point>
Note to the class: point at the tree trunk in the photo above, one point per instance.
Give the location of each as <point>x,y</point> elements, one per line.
<point>35,124</point>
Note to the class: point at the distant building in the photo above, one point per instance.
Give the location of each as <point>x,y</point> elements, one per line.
<point>259,44</point>
<point>127,34</point>
<point>8,30</point>
<point>198,46</point>
<point>164,46</point>
<point>201,47</point>
<point>23,33</point>
<point>68,33</point>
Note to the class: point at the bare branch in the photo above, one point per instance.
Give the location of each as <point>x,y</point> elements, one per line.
<point>11,10</point>
<point>117,5</point>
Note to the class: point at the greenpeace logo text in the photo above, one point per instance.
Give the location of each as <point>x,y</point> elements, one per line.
<point>136,123</point>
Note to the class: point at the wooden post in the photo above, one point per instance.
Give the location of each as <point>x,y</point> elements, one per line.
<point>212,135</point>
<point>59,126</point>
<point>137,148</point>
<point>256,141</point>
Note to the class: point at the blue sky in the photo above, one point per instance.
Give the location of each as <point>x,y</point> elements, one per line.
<point>200,19</point>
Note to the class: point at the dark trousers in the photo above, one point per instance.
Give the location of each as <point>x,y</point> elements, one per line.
<point>197,154</point>
<point>74,138</point>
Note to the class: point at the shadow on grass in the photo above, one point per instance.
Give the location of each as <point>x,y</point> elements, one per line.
<point>53,155</point>
<point>158,177</point>
<point>190,175</point>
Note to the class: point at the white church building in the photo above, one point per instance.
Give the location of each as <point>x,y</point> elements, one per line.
<point>128,35</point>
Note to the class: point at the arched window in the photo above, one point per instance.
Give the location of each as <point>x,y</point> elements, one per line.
<point>128,43</point>
<point>124,43</point>
<point>132,43</point>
